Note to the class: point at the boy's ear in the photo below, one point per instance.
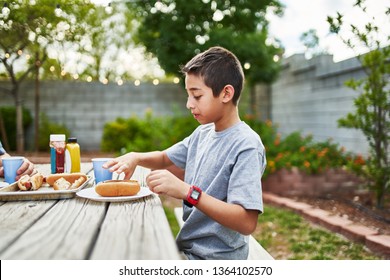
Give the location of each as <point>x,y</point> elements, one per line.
<point>227,93</point>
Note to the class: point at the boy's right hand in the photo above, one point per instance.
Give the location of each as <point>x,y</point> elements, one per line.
<point>126,164</point>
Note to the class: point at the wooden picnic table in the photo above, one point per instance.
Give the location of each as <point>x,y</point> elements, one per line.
<point>79,228</point>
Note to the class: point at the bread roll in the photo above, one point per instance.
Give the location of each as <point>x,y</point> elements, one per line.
<point>61,184</point>
<point>36,181</point>
<point>24,183</point>
<point>78,182</point>
<point>70,177</point>
<point>118,188</point>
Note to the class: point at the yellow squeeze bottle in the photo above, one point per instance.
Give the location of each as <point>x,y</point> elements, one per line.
<point>72,157</point>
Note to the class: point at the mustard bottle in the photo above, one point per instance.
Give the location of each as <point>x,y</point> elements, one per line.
<point>72,156</point>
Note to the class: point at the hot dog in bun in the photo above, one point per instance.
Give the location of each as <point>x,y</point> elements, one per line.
<point>26,182</point>
<point>118,188</point>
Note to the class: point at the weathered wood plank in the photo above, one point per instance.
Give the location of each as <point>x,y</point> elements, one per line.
<point>81,229</point>
<point>17,217</point>
<point>66,231</point>
<point>137,235</point>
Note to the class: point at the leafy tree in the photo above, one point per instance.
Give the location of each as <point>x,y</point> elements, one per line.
<point>27,30</point>
<point>372,107</point>
<point>109,35</point>
<point>101,52</point>
<point>7,120</point>
<point>175,30</point>
<point>311,41</point>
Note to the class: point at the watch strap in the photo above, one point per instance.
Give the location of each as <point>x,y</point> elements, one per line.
<point>193,200</point>
<point>187,203</point>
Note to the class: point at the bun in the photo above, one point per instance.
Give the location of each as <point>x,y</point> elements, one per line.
<point>36,181</point>
<point>63,183</point>
<point>70,177</point>
<point>78,182</point>
<point>118,188</point>
<point>24,183</point>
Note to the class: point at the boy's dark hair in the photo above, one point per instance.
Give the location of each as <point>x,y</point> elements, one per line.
<point>218,67</point>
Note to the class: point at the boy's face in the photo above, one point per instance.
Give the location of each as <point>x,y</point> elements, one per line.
<point>203,105</point>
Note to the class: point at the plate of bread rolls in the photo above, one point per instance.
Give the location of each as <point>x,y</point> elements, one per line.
<point>115,191</point>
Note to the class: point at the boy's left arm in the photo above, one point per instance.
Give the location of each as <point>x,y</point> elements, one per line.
<point>230,215</point>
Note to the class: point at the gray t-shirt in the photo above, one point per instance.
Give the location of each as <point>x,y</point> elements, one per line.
<point>227,165</point>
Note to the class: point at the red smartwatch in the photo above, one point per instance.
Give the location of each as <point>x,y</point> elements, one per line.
<point>193,196</point>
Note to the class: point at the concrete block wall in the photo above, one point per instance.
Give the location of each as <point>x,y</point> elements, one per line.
<point>85,107</point>
<point>310,96</point>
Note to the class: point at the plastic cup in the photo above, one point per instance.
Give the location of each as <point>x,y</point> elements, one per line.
<point>11,165</point>
<point>101,174</point>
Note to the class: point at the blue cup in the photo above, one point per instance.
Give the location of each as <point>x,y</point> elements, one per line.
<point>101,174</point>
<point>11,165</point>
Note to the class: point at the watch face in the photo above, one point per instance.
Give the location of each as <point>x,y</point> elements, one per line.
<point>195,194</point>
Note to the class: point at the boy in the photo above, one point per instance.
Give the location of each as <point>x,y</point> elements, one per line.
<point>223,160</point>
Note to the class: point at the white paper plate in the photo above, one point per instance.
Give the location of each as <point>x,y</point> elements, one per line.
<point>90,193</point>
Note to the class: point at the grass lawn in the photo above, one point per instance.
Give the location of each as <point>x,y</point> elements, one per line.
<point>287,236</point>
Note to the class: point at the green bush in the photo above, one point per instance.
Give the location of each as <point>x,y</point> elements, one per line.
<point>9,119</point>
<point>310,156</point>
<point>145,134</point>
<point>303,152</point>
<point>152,133</point>
<point>46,127</point>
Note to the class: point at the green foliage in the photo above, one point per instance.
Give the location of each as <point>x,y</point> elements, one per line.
<point>30,28</point>
<point>108,26</point>
<point>311,42</point>
<point>372,106</point>
<point>46,128</point>
<point>153,133</point>
<point>303,152</point>
<point>9,118</point>
<point>174,31</point>
<point>175,228</point>
<point>146,134</point>
<point>28,31</point>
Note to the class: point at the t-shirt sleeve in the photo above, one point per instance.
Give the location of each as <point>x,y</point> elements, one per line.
<point>245,181</point>
<point>178,153</point>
